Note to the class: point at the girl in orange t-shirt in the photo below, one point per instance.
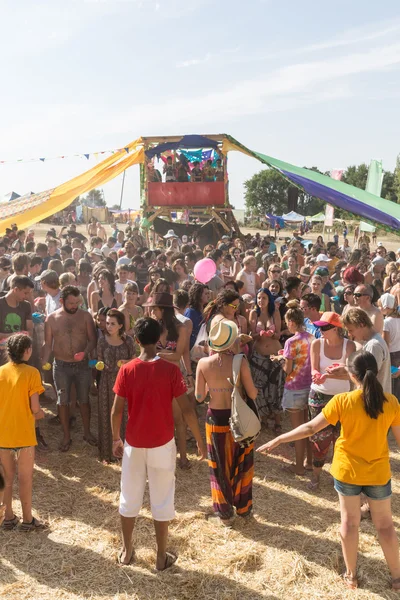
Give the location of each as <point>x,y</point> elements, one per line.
<point>20,386</point>
<point>361,460</point>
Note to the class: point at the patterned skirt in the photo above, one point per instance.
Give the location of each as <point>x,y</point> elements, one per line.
<point>322,440</point>
<point>231,467</point>
<point>269,379</point>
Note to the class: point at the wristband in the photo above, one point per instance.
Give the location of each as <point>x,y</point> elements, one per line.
<point>116,441</point>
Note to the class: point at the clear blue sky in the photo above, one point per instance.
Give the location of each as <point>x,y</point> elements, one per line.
<point>308,82</point>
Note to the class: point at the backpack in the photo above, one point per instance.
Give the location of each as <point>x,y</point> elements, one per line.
<point>244,421</point>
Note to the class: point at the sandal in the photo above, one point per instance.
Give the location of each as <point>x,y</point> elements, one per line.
<point>313,485</point>
<point>351,582</point>
<point>10,524</point>
<point>131,559</point>
<point>90,440</point>
<point>170,559</point>
<point>396,584</point>
<point>65,447</point>
<point>34,525</point>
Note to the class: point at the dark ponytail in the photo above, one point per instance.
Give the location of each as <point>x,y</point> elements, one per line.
<point>365,369</point>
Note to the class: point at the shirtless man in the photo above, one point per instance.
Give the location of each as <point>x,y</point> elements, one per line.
<point>92,227</point>
<point>101,232</point>
<point>363,295</point>
<point>70,333</point>
<point>249,276</point>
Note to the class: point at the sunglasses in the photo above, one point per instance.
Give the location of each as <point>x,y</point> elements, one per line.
<point>235,306</point>
<point>275,271</point>
<point>349,293</point>
<point>358,295</point>
<point>327,327</point>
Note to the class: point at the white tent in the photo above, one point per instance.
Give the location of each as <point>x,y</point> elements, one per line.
<point>293,217</point>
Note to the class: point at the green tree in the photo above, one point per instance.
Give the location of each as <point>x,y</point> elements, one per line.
<point>356,175</point>
<point>388,186</point>
<point>266,192</point>
<point>396,179</point>
<point>94,198</point>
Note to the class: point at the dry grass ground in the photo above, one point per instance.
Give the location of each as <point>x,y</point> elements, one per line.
<point>290,548</point>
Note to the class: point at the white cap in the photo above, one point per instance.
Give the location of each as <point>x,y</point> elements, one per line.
<point>323,258</point>
<point>124,260</point>
<point>380,243</point>
<point>387,300</point>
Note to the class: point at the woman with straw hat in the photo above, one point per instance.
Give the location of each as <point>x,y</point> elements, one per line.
<point>231,466</point>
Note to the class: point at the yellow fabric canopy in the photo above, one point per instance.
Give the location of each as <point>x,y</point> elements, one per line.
<point>28,210</point>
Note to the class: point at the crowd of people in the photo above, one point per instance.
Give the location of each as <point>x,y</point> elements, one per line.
<point>181,170</point>
<point>108,319</point>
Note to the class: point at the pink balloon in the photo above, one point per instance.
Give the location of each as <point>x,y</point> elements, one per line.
<point>204,270</point>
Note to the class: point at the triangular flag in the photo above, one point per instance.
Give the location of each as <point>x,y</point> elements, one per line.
<point>87,156</point>
<point>127,149</point>
<point>42,159</point>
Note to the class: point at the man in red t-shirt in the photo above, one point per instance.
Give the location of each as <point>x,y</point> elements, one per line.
<point>149,384</point>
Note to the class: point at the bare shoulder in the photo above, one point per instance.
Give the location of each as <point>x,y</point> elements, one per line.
<point>86,316</point>
<point>315,343</point>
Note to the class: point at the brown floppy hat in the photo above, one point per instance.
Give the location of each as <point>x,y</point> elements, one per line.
<point>161,299</point>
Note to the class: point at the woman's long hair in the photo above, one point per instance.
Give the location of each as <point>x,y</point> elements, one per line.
<point>363,366</point>
<point>170,323</point>
<point>109,277</point>
<point>195,294</point>
<point>224,297</point>
<point>271,302</point>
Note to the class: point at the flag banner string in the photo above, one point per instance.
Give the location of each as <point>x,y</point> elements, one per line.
<point>86,155</point>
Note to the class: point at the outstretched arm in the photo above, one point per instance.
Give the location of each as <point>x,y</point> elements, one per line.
<point>301,432</point>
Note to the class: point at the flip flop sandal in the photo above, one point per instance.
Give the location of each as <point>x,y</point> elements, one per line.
<point>313,485</point>
<point>170,560</point>
<point>10,524</point>
<point>90,441</point>
<point>350,582</point>
<point>65,447</point>
<point>34,525</point>
<point>119,559</point>
<point>396,584</point>
<point>291,470</point>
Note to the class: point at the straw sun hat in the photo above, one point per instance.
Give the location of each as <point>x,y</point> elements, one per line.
<point>223,335</point>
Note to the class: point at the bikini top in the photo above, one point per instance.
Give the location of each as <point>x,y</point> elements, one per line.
<point>168,346</point>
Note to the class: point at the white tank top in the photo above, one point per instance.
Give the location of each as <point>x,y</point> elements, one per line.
<point>331,386</point>
<point>250,283</point>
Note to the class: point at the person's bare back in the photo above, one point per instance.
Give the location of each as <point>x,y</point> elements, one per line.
<point>70,333</point>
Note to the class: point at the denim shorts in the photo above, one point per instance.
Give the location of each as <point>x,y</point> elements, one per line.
<point>295,399</point>
<point>66,373</point>
<point>375,492</point>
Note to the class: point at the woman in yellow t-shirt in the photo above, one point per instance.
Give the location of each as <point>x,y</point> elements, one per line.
<point>20,386</point>
<point>361,459</point>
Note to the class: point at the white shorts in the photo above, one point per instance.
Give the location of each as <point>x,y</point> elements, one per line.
<point>157,465</point>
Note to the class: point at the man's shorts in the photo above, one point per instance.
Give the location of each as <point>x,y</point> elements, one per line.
<point>374,492</point>
<point>67,373</point>
<point>157,465</point>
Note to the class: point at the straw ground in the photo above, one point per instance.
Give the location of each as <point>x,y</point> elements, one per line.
<point>290,548</point>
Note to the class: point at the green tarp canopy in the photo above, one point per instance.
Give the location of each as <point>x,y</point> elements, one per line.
<point>317,218</point>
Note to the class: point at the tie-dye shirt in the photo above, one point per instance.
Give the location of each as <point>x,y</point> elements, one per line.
<point>297,349</point>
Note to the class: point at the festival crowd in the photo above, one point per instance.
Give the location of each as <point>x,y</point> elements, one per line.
<point>107,319</point>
